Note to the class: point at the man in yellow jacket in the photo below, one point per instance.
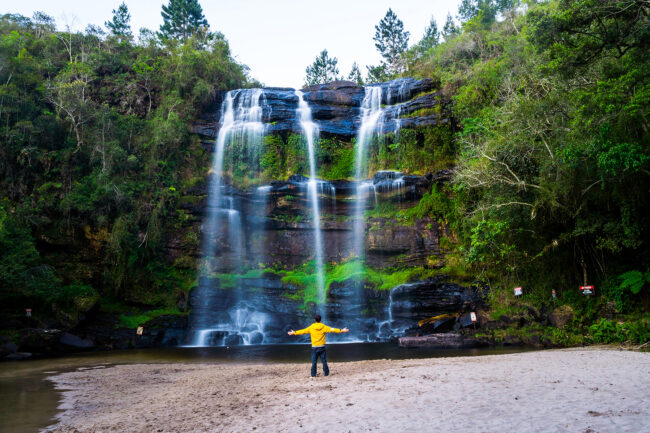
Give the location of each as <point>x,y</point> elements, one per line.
<point>317,332</point>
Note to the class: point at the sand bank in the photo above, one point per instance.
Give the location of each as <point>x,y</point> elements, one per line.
<point>575,390</point>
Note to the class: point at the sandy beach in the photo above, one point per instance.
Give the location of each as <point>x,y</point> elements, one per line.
<point>572,390</point>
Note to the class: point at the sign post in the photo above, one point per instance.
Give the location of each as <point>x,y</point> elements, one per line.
<point>587,290</point>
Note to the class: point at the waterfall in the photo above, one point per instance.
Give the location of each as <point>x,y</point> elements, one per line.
<point>385,328</point>
<point>258,235</point>
<point>310,131</point>
<point>243,130</point>
<point>371,122</point>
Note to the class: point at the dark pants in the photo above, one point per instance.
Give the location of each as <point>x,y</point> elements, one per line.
<point>317,352</point>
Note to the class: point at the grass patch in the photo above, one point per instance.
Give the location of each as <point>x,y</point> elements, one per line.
<point>305,278</point>
<point>127,321</point>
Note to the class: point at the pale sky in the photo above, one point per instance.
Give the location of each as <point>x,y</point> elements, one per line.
<point>277,39</point>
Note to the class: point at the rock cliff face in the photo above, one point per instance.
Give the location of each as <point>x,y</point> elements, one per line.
<point>278,230</point>
<point>275,230</point>
<point>336,107</point>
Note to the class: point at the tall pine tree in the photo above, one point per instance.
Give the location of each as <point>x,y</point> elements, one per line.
<point>450,29</point>
<point>430,39</point>
<point>431,36</point>
<point>182,19</point>
<point>355,74</point>
<point>323,70</point>
<point>391,41</point>
<point>119,26</point>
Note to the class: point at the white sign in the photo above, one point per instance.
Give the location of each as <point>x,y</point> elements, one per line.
<point>587,290</point>
<point>139,331</point>
<point>519,291</point>
<point>472,316</point>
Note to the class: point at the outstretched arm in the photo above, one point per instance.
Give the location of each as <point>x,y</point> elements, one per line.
<point>337,330</point>
<point>298,332</point>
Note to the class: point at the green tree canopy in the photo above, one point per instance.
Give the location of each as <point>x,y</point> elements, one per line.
<point>376,74</point>
<point>182,19</point>
<point>485,10</point>
<point>391,41</point>
<point>323,70</point>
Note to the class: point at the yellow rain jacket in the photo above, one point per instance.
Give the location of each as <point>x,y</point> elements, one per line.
<point>317,332</point>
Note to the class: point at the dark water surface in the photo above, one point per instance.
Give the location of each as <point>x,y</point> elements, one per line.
<point>29,401</point>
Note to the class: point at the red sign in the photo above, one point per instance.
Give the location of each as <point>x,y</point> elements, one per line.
<point>519,291</point>
<point>587,290</point>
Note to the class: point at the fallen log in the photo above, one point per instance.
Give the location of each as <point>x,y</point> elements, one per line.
<point>442,341</point>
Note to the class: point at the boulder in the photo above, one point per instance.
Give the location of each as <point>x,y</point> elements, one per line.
<point>466,320</point>
<point>18,356</point>
<point>432,297</point>
<point>38,339</point>
<point>560,316</point>
<point>8,348</point>
<point>72,340</point>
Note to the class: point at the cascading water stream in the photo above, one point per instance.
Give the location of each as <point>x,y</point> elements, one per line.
<point>371,121</point>
<point>241,125</point>
<point>310,131</point>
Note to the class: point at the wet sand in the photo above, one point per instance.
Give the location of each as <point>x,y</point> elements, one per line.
<point>575,390</point>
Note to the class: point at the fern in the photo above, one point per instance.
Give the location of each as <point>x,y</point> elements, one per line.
<point>634,280</point>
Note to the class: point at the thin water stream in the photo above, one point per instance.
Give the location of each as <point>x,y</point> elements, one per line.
<point>310,131</point>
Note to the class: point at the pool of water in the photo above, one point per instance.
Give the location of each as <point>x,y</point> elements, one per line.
<point>29,400</point>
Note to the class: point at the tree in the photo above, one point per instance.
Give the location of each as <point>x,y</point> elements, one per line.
<point>22,272</point>
<point>391,41</point>
<point>486,10</point>
<point>43,24</point>
<point>376,74</point>
<point>355,74</point>
<point>430,39</point>
<point>323,70</point>
<point>70,94</point>
<point>431,36</point>
<point>450,29</point>
<point>182,19</point>
<point>585,31</point>
<point>119,26</point>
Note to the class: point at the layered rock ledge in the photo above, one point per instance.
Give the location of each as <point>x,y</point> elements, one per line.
<point>336,107</point>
